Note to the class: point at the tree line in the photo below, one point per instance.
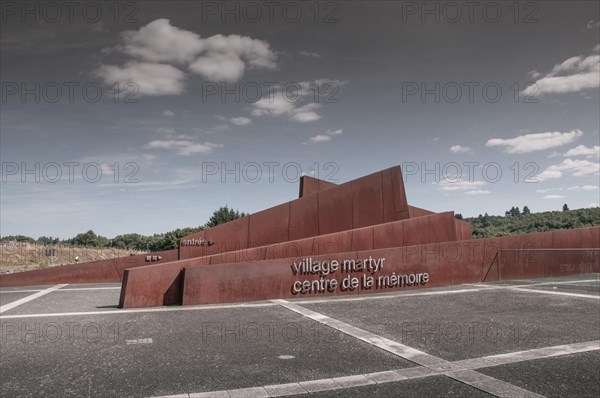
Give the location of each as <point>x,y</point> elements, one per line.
<point>517,221</point>
<point>133,241</point>
<point>514,221</point>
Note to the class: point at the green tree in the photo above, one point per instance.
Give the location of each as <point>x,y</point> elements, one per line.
<point>565,207</point>
<point>89,238</point>
<point>526,210</point>
<point>458,216</point>
<point>222,216</point>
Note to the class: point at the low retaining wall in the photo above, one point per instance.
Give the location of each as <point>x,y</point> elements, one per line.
<point>101,271</point>
<point>545,263</point>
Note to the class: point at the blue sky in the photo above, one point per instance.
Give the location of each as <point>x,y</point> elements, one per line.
<point>508,101</point>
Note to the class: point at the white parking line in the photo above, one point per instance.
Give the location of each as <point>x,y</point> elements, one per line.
<point>440,366</point>
<point>522,289</point>
<point>467,376</point>
<point>89,288</point>
<point>20,291</point>
<point>24,300</point>
<point>141,310</point>
<point>385,296</point>
<point>240,305</point>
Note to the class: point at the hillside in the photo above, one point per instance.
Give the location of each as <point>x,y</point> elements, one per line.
<point>486,226</point>
<point>26,256</point>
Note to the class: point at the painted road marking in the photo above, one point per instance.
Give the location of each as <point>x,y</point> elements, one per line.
<point>441,366</point>
<point>467,376</point>
<point>238,305</point>
<point>27,299</point>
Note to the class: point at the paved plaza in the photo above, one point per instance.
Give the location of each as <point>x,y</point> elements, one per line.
<point>526,338</point>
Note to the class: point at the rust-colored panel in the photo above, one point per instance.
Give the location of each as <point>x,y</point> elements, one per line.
<point>416,231</point>
<point>463,230</point>
<point>387,188</point>
<point>340,242</point>
<point>362,239</point>
<point>388,235</point>
<point>466,258</point>
<point>367,201</point>
<point>193,249</point>
<point>122,263</point>
<point>270,226</point>
<point>442,227</point>
<point>155,285</point>
<point>546,263</point>
<point>400,202</point>
<point>228,237</point>
<point>101,271</point>
<point>97,271</point>
<point>304,217</point>
<point>590,237</point>
<point>275,279</point>
<point>414,212</point>
<point>311,185</point>
<point>335,209</point>
<point>566,238</point>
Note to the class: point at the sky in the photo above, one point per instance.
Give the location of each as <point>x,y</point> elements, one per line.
<point>148,116</point>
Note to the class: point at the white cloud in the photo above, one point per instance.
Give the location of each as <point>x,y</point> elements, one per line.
<point>241,121</point>
<point>328,136</point>
<point>168,113</point>
<point>593,24</point>
<point>306,113</point>
<point>219,67</point>
<point>478,192</point>
<point>165,130</point>
<point>278,106</point>
<point>534,74</point>
<point>227,57</point>
<point>572,75</point>
<point>554,155</point>
<point>218,58</point>
<point>183,147</point>
<point>148,78</point>
<point>320,138</point>
<point>159,41</point>
<point>535,142</point>
<point>583,188</point>
<point>275,106</point>
<point>107,169</point>
<point>583,150</point>
<point>310,54</point>
<point>548,190</point>
<point>148,156</point>
<point>281,104</point>
<point>553,197</point>
<point>577,168</point>
<point>449,185</point>
<point>589,205</point>
<point>459,149</point>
